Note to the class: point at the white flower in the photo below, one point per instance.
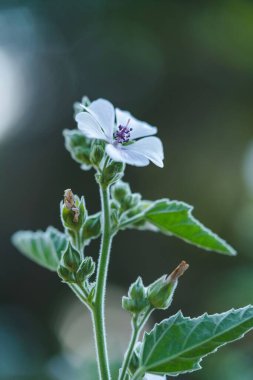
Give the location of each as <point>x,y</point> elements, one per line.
<point>122,133</point>
<point>153,377</point>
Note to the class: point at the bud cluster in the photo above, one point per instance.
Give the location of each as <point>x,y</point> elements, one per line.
<point>157,295</point>
<point>136,302</point>
<point>126,203</point>
<point>74,269</point>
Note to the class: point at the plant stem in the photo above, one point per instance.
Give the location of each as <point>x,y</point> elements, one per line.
<point>78,294</point>
<point>136,330</point>
<point>132,220</point>
<point>129,352</point>
<point>99,304</point>
<point>138,374</point>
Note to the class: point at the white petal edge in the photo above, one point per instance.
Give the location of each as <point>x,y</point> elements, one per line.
<point>140,128</point>
<point>149,147</point>
<point>104,113</point>
<point>119,154</point>
<point>153,377</point>
<point>89,126</point>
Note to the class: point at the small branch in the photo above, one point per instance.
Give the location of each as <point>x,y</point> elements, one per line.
<point>138,374</point>
<point>80,295</point>
<point>132,220</point>
<point>136,330</point>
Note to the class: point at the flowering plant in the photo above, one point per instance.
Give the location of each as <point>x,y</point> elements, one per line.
<point>106,140</point>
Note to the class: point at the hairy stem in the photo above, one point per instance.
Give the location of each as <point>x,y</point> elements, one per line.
<point>99,303</point>
<point>136,330</point>
<point>138,374</point>
<point>132,220</point>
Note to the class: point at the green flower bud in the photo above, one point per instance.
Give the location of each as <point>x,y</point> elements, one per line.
<point>78,146</point>
<point>97,154</point>
<point>111,174</point>
<point>121,193</point>
<point>73,211</point>
<point>120,190</point>
<point>65,274</point>
<point>85,270</point>
<point>71,259</point>
<point>160,293</point>
<point>136,301</point>
<point>92,227</point>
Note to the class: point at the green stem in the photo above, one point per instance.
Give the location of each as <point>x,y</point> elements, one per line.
<point>136,330</point>
<point>129,352</point>
<point>132,220</point>
<point>99,304</point>
<point>81,295</point>
<point>138,374</point>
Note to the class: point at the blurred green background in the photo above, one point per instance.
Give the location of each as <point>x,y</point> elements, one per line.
<point>185,66</point>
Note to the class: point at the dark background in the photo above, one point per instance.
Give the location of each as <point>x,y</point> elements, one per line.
<point>185,66</point>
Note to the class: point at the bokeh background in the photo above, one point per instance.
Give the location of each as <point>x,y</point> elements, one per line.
<point>185,66</point>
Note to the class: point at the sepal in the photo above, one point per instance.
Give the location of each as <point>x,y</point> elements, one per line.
<point>160,293</point>
<point>111,174</point>
<point>65,274</point>
<point>97,153</point>
<point>91,228</point>
<point>136,302</point>
<point>71,258</point>
<point>85,270</point>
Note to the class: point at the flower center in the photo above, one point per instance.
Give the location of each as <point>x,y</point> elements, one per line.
<point>122,135</point>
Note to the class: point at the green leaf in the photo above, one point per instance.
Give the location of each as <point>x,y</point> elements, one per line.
<point>78,146</point>
<point>175,218</point>
<point>178,344</point>
<point>45,248</point>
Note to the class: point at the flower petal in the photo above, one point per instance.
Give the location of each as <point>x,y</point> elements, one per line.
<point>149,147</point>
<point>103,111</point>
<point>140,128</point>
<point>89,126</point>
<point>119,154</point>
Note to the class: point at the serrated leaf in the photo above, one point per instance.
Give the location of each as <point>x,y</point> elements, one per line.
<point>45,248</point>
<point>175,218</point>
<point>178,344</point>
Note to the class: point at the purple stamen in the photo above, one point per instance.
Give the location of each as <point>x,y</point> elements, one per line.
<point>122,135</point>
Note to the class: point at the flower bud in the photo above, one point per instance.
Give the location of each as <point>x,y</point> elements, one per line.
<point>111,174</point>
<point>65,274</point>
<point>136,301</point>
<point>92,227</point>
<point>85,270</point>
<point>97,154</point>
<point>160,292</point>
<point>120,190</point>
<point>73,211</point>
<point>71,259</point>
